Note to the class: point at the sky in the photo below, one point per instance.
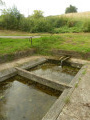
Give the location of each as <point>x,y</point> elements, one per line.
<point>49,7</point>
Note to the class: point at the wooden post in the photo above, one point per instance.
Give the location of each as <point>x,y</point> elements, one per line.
<point>30,39</point>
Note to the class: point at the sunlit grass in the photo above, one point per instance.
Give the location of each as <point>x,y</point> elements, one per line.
<point>69,41</point>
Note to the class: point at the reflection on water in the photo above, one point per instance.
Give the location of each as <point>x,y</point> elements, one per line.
<point>21,99</point>
<point>55,71</point>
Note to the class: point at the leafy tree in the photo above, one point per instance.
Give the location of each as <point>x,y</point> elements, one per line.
<point>11,18</point>
<point>71,9</point>
<point>1,2</point>
<point>37,14</point>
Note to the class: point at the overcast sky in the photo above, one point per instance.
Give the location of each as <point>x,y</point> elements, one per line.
<point>49,7</point>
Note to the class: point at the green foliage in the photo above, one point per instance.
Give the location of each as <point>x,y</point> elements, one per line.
<point>76,85</point>
<point>71,23</point>
<point>56,21</point>
<point>71,9</point>
<point>11,18</point>
<point>1,2</point>
<point>26,24</point>
<point>66,29</point>
<point>1,97</point>
<point>37,14</point>
<point>41,25</point>
<point>86,26</point>
<point>84,72</point>
<point>67,100</point>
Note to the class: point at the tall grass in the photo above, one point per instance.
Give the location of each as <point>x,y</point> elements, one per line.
<point>82,15</point>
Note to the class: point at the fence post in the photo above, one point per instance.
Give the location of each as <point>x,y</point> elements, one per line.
<point>30,39</point>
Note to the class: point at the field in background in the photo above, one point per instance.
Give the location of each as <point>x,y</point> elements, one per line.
<point>84,15</point>
<point>76,23</point>
<point>69,41</point>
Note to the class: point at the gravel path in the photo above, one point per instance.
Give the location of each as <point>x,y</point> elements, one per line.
<point>19,36</point>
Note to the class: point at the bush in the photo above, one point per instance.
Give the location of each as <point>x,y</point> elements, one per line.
<point>71,23</point>
<point>41,25</point>
<point>86,26</point>
<point>13,20</point>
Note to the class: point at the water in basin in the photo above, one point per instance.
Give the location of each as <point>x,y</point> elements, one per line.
<point>53,70</point>
<point>22,99</point>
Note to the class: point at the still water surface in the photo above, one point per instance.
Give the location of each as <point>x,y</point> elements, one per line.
<point>22,99</point>
<point>53,71</point>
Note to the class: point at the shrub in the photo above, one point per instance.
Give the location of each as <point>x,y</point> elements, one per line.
<point>41,25</point>
<point>71,23</point>
<point>86,26</point>
<point>11,18</point>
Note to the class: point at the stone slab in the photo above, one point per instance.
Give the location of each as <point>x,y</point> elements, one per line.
<point>48,82</point>
<point>79,106</point>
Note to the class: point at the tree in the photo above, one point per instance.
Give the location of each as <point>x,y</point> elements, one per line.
<point>1,2</point>
<point>71,9</point>
<point>37,14</point>
<point>11,18</point>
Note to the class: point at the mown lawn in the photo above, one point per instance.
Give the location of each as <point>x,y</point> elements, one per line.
<point>69,41</point>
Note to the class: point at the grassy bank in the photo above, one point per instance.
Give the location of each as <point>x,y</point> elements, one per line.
<point>20,33</point>
<point>16,33</point>
<point>69,41</point>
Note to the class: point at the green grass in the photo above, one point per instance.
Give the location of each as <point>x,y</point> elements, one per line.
<point>84,72</point>
<point>8,45</point>
<point>66,29</point>
<point>67,100</point>
<point>74,42</point>
<point>76,85</point>
<point>69,41</point>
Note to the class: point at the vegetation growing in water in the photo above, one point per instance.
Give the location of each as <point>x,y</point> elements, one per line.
<point>67,100</point>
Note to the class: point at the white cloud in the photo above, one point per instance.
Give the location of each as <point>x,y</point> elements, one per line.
<point>50,7</point>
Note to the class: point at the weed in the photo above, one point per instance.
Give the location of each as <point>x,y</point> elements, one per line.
<point>84,72</point>
<point>79,79</point>
<point>10,57</point>
<point>67,100</point>
<point>76,85</point>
